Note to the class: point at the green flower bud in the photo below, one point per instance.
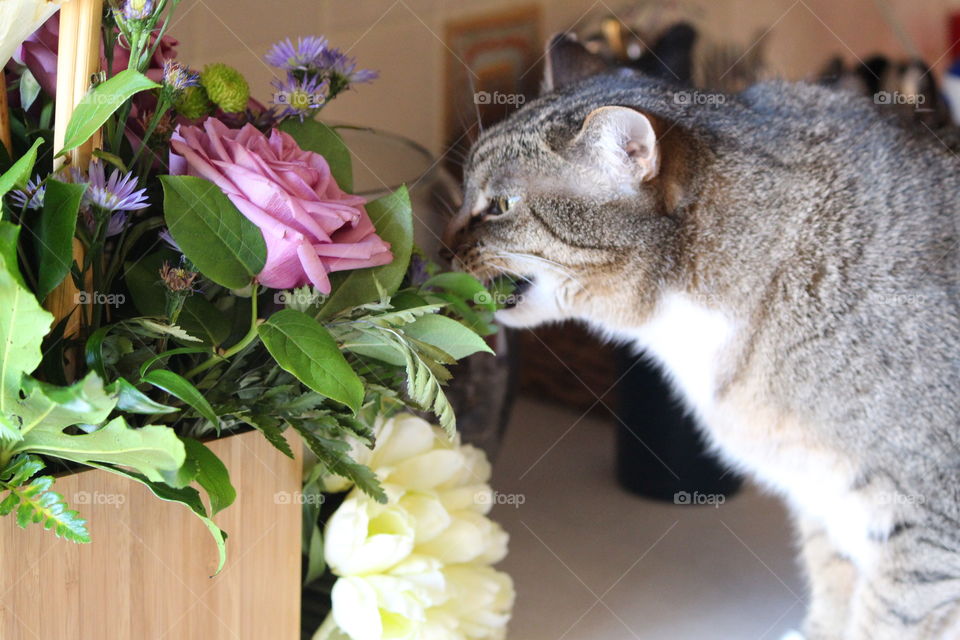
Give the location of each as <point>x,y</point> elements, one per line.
<point>193,103</point>
<point>226,87</point>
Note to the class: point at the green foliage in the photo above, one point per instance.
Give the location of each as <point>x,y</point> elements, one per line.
<point>34,502</point>
<point>54,240</point>
<point>97,106</point>
<point>302,346</point>
<point>179,387</point>
<point>19,173</point>
<point>213,234</point>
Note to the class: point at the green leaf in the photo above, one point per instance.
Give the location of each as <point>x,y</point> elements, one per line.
<point>36,503</point>
<point>448,335</point>
<point>54,408</point>
<point>132,400</point>
<point>392,216</point>
<point>149,362</point>
<point>9,237</point>
<point>19,173</point>
<point>187,496</point>
<point>319,138</point>
<point>270,428</point>
<point>100,103</point>
<point>23,323</point>
<point>304,348</point>
<point>178,386</point>
<point>150,450</point>
<point>213,234</point>
<point>21,468</point>
<point>54,239</point>
<point>334,455</point>
<point>212,475</point>
<point>369,345</point>
<point>464,286</point>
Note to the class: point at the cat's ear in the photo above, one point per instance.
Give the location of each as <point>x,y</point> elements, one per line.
<point>568,61</point>
<point>623,141</point>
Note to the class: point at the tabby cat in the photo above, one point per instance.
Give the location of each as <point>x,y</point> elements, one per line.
<point>789,255</point>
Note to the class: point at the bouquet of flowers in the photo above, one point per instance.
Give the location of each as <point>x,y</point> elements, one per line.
<point>179,261</point>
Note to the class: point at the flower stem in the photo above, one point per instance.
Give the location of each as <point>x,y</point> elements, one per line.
<point>236,348</point>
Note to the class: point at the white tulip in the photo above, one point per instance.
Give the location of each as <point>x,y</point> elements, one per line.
<point>20,18</point>
<point>478,606</point>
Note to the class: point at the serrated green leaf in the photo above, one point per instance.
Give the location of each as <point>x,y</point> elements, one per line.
<point>36,503</point>
<point>210,230</point>
<point>54,238</point>
<point>334,455</point>
<point>94,108</point>
<point>304,348</point>
<point>20,469</point>
<point>179,387</point>
<point>150,450</point>
<point>270,428</point>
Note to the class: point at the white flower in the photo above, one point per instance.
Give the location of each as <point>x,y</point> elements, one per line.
<point>20,18</point>
<point>479,600</point>
<point>417,566</point>
<point>363,536</point>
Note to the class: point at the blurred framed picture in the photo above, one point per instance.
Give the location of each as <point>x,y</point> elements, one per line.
<point>493,66</point>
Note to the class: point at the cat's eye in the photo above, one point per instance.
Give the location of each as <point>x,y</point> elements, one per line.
<point>500,205</point>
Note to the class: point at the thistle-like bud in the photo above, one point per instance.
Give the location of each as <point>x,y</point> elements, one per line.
<point>177,279</point>
<point>226,87</point>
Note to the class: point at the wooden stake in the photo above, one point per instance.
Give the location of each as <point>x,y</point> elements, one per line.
<point>77,60</point>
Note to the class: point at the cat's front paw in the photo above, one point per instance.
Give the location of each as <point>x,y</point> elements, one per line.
<point>792,635</point>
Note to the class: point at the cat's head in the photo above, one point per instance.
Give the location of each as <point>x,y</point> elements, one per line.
<point>571,196</point>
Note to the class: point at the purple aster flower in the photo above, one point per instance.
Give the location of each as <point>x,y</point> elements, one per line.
<point>305,55</point>
<point>117,223</point>
<point>30,197</point>
<point>119,193</point>
<point>137,9</point>
<point>170,242</point>
<point>343,68</point>
<point>301,96</point>
<point>178,77</point>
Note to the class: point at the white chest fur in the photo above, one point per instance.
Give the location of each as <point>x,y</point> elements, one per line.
<point>692,343</point>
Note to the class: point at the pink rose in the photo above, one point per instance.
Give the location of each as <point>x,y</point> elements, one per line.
<point>310,225</point>
<point>39,54</point>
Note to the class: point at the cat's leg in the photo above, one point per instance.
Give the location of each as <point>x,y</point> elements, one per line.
<point>831,578</point>
<point>913,590</point>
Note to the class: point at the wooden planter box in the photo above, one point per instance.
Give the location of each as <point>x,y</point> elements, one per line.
<point>146,574</point>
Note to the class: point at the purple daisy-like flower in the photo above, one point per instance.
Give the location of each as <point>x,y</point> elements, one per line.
<point>30,197</point>
<point>167,238</point>
<point>137,9</point>
<point>118,193</point>
<point>336,63</point>
<point>305,55</point>
<point>301,96</point>
<point>178,77</point>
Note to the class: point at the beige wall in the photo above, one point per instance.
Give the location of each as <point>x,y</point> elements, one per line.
<point>402,39</point>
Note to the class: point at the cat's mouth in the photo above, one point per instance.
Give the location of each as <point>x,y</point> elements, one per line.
<point>509,290</point>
